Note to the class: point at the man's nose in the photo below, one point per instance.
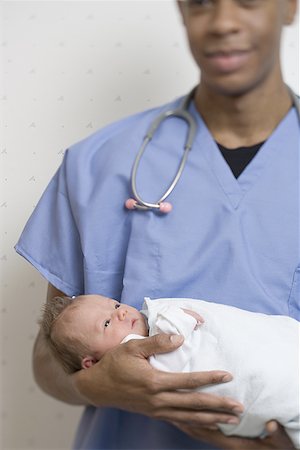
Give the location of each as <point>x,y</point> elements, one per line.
<point>224,18</point>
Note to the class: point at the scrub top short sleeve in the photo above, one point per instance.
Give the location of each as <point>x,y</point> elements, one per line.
<point>50,240</point>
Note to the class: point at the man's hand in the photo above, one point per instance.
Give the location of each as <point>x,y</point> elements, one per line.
<point>124,379</point>
<point>276,440</point>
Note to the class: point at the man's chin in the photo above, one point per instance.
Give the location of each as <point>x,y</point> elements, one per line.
<point>229,86</point>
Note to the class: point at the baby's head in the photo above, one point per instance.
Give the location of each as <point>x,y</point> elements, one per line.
<point>81,330</point>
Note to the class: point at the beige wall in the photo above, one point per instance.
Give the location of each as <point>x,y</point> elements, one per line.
<point>67,69</point>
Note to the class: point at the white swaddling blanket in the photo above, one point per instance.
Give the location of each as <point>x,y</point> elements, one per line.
<point>260,351</point>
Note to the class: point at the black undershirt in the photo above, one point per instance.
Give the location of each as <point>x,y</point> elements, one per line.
<point>239,158</point>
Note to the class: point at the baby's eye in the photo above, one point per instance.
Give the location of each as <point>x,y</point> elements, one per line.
<point>106,323</point>
<point>117,305</point>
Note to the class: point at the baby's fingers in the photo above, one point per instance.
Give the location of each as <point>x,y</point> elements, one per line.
<point>194,314</point>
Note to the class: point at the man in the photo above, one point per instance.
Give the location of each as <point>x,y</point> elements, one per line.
<point>228,232</point>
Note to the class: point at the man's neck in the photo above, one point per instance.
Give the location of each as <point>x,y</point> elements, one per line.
<point>245,120</point>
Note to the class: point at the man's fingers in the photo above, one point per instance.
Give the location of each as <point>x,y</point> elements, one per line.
<point>164,343</point>
<point>193,380</point>
<point>160,343</point>
<point>195,418</point>
<point>277,440</point>
<point>218,439</point>
<point>272,427</point>
<point>278,434</point>
<point>200,401</point>
<point>214,437</point>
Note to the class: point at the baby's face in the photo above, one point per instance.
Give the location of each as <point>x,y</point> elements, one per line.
<point>102,323</point>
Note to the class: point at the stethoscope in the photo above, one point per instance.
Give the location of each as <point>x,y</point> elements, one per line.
<point>181,112</point>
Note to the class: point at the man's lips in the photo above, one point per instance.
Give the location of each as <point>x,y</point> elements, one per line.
<point>227,61</point>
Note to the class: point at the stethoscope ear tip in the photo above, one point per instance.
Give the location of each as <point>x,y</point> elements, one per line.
<point>130,203</point>
<point>165,207</point>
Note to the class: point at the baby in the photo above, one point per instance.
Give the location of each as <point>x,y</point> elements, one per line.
<point>261,351</point>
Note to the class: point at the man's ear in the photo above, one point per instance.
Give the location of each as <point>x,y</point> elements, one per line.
<point>88,361</point>
<point>181,6</point>
<point>291,10</point>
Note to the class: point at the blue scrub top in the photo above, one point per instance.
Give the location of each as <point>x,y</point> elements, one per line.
<point>228,240</point>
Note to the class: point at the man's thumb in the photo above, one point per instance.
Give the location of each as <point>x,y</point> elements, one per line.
<point>160,343</point>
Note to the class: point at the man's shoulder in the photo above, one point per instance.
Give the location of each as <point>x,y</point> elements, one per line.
<point>121,130</point>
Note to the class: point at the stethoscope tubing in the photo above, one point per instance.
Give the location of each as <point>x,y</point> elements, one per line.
<point>192,128</point>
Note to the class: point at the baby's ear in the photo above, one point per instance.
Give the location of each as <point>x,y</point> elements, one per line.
<point>88,361</point>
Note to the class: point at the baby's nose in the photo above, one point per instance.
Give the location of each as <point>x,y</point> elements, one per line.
<point>121,313</point>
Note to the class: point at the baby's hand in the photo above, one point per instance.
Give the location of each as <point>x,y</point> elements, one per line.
<point>196,316</point>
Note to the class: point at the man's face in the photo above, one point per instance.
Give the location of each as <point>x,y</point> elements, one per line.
<point>102,323</point>
<point>236,43</point>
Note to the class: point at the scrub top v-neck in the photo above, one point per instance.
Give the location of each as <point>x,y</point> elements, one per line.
<point>227,240</point>
<point>239,158</point>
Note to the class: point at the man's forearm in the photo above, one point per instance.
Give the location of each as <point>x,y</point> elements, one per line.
<point>51,377</point>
